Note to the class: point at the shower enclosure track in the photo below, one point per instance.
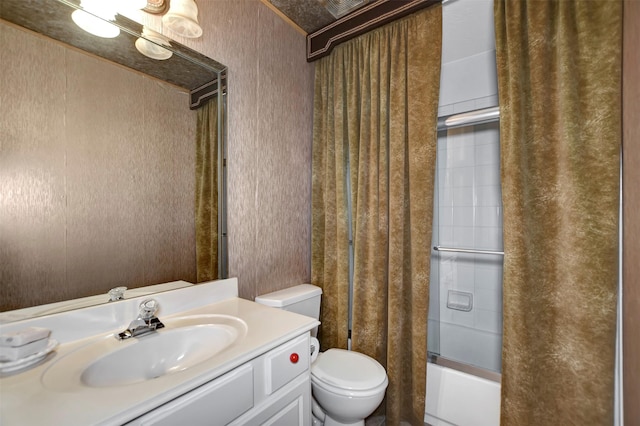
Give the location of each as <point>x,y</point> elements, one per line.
<point>464,250</point>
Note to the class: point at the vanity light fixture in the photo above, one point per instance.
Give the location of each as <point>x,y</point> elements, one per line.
<point>94,17</point>
<point>151,45</point>
<point>182,18</point>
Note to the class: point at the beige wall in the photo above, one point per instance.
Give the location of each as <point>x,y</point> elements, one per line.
<point>631,200</point>
<point>270,134</point>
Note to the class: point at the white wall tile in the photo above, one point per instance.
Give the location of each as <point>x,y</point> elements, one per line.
<point>463,237</point>
<point>488,320</point>
<point>467,28</point>
<point>486,102</point>
<point>488,133</point>
<point>490,300</point>
<point>475,347</point>
<point>468,79</point>
<point>486,175</point>
<point>490,261</point>
<point>466,278</point>
<point>462,155</point>
<point>445,216</point>
<point>464,106</point>
<point>463,176</point>
<point>441,158</point>
<point>445,110</point>
<point>488,195</point>
<point>486,154</point>
<point>488,238</point>
<point>463,216</point>
<point>460,137</point>
<point>446,177</point>
<point>489,276</point>
<point>490,216</point>
<point>463,197</point>
<point>446,314</point>
<point>461,318</point>
<point>445,236</point>
<point>488,352</point>
<point>446,196</point>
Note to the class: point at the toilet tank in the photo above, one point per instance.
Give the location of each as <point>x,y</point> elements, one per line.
<point>302,299</point>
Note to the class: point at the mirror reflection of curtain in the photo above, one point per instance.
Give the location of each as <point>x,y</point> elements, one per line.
<point>207,192</point>
<point>375,120</point>
<point>559,78</point>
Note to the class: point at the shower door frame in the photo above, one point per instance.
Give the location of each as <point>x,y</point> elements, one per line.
<point>471,118</point>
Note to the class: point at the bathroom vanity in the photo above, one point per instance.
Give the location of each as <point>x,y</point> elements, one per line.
<point>218,360</point>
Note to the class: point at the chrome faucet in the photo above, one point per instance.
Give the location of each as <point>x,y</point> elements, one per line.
<point>145,323</point>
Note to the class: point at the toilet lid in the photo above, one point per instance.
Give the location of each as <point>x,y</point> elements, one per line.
<point>348,370</point>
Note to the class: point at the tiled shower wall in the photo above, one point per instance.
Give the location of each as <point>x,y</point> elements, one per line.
<point>469,215</point>
<point>468,212</point>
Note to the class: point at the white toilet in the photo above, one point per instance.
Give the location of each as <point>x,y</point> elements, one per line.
<point>346,386</point>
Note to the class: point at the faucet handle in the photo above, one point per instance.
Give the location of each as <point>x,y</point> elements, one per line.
<point>148,308</point>
<point>117,293</point>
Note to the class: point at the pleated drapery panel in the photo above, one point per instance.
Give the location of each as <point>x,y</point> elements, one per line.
<point>376,102</point>
<point>207,192</point>
<point>559,76</point>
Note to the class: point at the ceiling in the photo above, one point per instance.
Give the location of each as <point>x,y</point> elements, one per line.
<point>307,15</point>
<point>317,20</point>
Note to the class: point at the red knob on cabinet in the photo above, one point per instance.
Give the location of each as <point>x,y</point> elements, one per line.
<point>294,358</point>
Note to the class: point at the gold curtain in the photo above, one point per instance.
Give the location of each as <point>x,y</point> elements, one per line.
<point>207,192</point>
<point>375,115</point>
<point>559,70</point>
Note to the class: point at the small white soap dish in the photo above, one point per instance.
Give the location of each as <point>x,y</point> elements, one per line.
<point>460,300</point>
<point>29,361</point>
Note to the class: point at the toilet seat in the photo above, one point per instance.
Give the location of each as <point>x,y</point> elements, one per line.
<point>348,373</point>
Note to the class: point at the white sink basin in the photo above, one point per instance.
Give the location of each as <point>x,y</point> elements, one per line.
<point>184,343</point>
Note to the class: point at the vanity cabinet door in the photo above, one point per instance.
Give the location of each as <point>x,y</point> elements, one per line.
<point>292,414</point>
<point>273,389</point>
<point>214,404</point>
<point>291,406</point>
<point>285,363</point>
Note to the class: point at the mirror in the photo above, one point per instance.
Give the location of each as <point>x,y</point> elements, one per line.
<point>98,158</point>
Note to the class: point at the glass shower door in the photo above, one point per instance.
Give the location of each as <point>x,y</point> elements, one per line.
<point>465,316</point>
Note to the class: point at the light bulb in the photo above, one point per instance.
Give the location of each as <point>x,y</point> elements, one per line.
<point>95,19</point>
<point>151,45</point>
<point>182,18</point>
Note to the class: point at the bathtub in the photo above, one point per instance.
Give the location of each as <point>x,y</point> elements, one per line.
<point>460,399</point>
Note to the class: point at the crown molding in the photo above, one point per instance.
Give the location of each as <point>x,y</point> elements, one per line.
<point>321,42</point>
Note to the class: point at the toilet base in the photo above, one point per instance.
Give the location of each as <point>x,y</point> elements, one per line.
<point>320,418</point>
<point>316,421</point>
<point>328,421</point>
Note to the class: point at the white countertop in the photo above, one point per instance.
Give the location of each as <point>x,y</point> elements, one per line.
<point>25,400</point>
<point>83,302</point>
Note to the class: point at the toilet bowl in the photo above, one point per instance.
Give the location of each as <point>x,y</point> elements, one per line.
<point>346,386</point>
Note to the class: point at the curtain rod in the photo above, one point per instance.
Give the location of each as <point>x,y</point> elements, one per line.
<point>472,251</point>
<point>480,116</point>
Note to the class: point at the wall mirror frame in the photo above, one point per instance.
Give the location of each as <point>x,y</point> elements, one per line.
<point>202,78</point>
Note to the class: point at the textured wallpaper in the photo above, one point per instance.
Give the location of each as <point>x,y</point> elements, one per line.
<point>270,135</point>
